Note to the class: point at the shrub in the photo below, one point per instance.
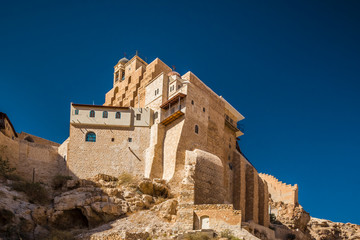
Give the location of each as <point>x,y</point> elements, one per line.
<point>5,168</point>
<point>197,236</point>
<point>228,234</point>
<point>127,179</point>
<point>272,218</point>
<point>35,191</point>
<point>59,181</point>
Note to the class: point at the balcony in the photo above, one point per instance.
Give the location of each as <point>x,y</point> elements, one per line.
<point>172,114</point>
<point>232,125</point>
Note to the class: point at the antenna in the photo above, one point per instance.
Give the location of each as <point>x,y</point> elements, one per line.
<point>137,53</point>
<point>93,102</point>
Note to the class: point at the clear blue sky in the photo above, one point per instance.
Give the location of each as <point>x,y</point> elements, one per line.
<point>291,68</point>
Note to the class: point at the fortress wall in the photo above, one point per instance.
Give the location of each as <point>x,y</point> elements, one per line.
<point>27,157</point>
<point>264,218</point>
<point>239,185</point>
<point>208,179</point>
<point>86,159</point>
<point>171,147</point>
<point>281,192</point>
<point>252,195</point>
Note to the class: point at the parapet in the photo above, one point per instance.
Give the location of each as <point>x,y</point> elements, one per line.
<point>281,192</point>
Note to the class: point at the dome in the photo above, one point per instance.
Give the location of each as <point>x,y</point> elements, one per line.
<point>123,60</point>
<point>172,73</point>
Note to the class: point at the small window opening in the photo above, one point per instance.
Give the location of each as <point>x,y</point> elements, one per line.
<point>129,139</point>
<point>112,139</point>
<point>105,114</point>
<point>92,113</point>
<point>138,117</point>
<point>203,109</point>
<point>90,137</point>
<point>76,111</point>
<point>196,129</point>
<point>192,102</point>
<point>230,166</point>
<point>123,75</point>
<point>156,115</point>
<point>118,115</point>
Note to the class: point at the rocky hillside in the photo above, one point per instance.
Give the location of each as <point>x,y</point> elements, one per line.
<point>126,207</point>
<point>293,222</point>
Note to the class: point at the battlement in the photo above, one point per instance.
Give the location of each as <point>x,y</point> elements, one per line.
<point>281,192</point>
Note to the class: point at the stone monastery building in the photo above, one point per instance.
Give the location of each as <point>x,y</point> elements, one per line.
<point>156,123</point>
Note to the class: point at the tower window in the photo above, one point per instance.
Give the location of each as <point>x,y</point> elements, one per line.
<point>76,111</point>
<point>92,113</point>
<point>90,137</point>
<point>196,129</point>
<point>230,166</point>
<point>118,115</point>
<point>117,76</point>
<point>156,92</point>
<point>123,75</point>
<point>105,114</point>
<point>138,117</point>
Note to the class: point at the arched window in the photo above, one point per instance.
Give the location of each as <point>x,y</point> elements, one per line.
<point>105,114</point>
<point>196,129</point>
<point>92,113</point>
<point>90,137</point>
<point>118,115</point>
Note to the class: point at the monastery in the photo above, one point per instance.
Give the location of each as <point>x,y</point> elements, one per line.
<point>158,124</point>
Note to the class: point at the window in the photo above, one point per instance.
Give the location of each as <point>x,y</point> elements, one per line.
<point>172,88</point>
<point>203,109</point>
<point>123,75</point>
<point>196,129</point>
<point>105,114</point>
<point>90,137</point>
<point>129,139</point>
<point>117,76</point>
<point>76,111</point>
<point>156,92</point>
<point>112,139</point>
<point>118,115</point>
<point>192,102</point>
<point>92,113</point>
<point>156,115</point>
<point>138,117</point>
<point>230,166</point>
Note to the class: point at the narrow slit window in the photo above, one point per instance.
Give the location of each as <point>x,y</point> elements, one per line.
<point>105,114</point>
<point>196,129</point>
<point>76,111</point>
<point>118,115</point>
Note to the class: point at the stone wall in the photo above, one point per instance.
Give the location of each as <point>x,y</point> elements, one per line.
<point>281,192</point>
<point>29,158</point>
<point>115,151</point>
<point>221,217</point>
